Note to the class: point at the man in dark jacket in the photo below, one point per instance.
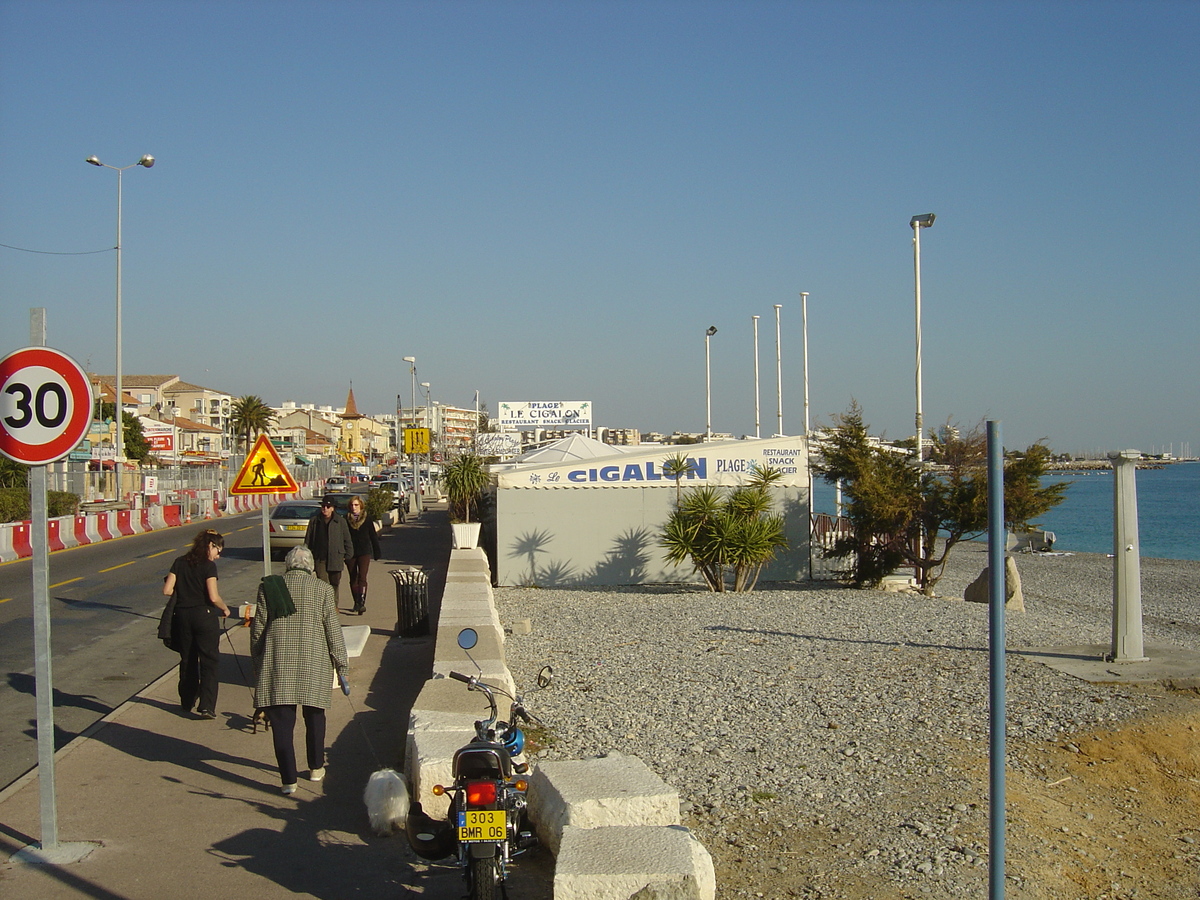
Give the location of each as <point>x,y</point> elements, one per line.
<point>328,537</point>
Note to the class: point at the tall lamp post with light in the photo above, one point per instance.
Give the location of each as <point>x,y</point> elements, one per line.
<point>146,161</point>
<point>429,425</point>
<point>917,223</point>
<point>712,329</point>
<point>414,505</point>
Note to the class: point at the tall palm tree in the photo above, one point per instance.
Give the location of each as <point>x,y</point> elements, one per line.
<point>251,416</point>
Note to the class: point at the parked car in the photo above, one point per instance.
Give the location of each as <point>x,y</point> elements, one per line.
<point>288,523</point>
<point>336,483</point>
<point>399,497</point>
<point>380,478</point>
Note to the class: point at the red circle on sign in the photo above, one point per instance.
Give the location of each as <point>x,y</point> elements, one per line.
<point>74,428</point>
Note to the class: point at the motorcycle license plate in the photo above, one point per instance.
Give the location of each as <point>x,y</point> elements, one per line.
<point>482,825</point>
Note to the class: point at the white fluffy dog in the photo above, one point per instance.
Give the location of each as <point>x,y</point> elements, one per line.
<point>386,797</point>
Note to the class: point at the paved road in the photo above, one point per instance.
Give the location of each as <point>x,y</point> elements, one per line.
<point>105,600</point>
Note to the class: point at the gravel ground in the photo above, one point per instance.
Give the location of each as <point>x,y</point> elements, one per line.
<point>832,742</point>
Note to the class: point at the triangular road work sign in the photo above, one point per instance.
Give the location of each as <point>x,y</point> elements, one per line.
<point>263,472</point>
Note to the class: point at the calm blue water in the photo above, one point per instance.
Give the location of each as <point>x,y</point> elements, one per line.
<point>1168,511</point>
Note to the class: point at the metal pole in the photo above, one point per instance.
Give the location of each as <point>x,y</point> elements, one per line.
<point>804,317</point>
<point>778,377</point>
<point>757,429</point>
<point>707,388</point>
<point>120,441</point>
<point>42,655</point>
<point>997,543</point>
<point>917,291</point>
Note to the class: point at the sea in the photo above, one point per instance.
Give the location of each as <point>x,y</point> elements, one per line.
<point>1168,501</point>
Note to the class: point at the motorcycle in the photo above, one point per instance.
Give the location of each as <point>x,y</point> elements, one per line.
<point>488,826</point>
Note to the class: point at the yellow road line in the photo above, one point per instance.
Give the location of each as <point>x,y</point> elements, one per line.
<point>5,600</point>
<point>159,553</point>
<point>121,566</point>
<point>68,581</point>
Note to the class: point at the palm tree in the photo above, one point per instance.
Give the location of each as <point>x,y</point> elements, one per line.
<point>251,416</point>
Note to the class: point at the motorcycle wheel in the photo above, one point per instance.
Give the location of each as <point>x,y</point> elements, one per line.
<point>483,878</point>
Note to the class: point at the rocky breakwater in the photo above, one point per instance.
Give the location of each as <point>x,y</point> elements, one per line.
<point>829,742</point>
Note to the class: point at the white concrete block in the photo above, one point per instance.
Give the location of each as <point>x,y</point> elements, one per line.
<point>593,793</point>
<point>355,638</point>
<point>619,862</point>
<point>428,761</point>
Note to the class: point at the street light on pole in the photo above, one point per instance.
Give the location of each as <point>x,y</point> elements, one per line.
<point>778,377</point>
<point>917,223</point>
<point>804,319</point>
<point>428,425</point>
<point>757,430</point>
<point>712,329</point>
<point>415,504</point>
<point>146,161</point>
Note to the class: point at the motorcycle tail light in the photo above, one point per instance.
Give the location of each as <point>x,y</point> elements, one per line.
<point>481,793</point>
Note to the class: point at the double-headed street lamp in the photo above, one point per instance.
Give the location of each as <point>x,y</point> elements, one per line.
<point>917,223</point>
<point>146,161</point>
<point>712,329</point>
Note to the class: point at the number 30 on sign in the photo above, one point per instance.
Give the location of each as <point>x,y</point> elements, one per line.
<point>45,405</point>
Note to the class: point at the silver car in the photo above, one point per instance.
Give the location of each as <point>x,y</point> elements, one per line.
<point>288,523</point>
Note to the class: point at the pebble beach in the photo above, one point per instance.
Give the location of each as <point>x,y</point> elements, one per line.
<point>808,714</point>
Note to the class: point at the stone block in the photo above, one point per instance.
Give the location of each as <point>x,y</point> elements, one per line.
<point>646,862</point>
<point>593,793</point>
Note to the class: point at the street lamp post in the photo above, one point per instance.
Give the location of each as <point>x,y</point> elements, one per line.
<point>146,161</point>
<point>712,329</point>
<point>778,377</point>
<point>757,428</point>
<point>428,426</point>
<point>917,223</point>
<point>416,504</point>
<point>804,319</point>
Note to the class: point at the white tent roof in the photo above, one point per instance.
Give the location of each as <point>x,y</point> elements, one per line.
<point>573,446</point>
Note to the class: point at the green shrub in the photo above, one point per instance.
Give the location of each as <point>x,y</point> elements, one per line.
<point>15,505</point>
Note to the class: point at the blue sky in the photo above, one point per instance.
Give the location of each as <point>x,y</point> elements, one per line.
<point>553,201</point>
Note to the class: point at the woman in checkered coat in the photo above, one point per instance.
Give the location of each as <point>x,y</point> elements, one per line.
<point>295,655</point>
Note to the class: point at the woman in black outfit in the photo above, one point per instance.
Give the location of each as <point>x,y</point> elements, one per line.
<point>197,625</point>
<point>364,536</point>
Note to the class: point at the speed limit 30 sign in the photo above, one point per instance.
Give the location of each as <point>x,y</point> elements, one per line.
<point>45,405</point>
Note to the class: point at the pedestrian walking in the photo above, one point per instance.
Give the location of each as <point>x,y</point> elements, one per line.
<point>196,628</point>
<point>364,535</point>
<point>328,537</point>
<point>296,644</point>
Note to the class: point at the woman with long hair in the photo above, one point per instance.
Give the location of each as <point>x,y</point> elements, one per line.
<point>365,537</point>
<point>196,631</point>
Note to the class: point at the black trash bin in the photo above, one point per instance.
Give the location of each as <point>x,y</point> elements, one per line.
<point>412,601</point>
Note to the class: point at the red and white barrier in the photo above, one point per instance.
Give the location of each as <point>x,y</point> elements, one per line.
<point>92,528</point>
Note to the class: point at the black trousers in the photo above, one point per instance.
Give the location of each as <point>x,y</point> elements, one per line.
<point>283,725</point>
<point>333,579</point>
<point>198,637</point>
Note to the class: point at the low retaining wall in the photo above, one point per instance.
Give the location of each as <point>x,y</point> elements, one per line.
<point>612,824</point>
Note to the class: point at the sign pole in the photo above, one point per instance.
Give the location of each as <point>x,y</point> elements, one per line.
<point>43,674</point>
<point>45,414</point>
<point>266,535</point>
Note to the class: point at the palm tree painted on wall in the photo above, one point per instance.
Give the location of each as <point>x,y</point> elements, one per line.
<point>251,416</point>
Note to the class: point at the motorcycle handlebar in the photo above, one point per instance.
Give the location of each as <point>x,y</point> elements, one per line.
<point>459,676</point>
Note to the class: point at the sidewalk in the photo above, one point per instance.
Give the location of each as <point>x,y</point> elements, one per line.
<point>188,808</point>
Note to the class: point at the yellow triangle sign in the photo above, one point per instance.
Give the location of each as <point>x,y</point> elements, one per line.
<point>263,472</point>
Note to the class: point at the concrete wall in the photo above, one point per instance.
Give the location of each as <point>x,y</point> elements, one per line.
<point>610,535</point>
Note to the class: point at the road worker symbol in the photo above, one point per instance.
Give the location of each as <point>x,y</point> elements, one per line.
<point>263,472</point>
